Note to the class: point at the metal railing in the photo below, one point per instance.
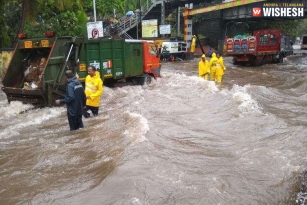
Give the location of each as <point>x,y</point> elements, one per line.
<point>126,23</point>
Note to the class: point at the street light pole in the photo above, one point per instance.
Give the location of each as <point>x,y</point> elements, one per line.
<point>137,28</point>
<point>94,8</point>
<point>138,17</point>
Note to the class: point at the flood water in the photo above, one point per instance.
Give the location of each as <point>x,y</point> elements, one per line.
<point>180,140</point>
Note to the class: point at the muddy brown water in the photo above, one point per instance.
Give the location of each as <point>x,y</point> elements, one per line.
<point>180,140</point>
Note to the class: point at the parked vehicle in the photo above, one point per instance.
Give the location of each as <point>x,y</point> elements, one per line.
<point>173,50</point>
<point>36,72</point>
<point>265,46</point>
<point>304,42</point>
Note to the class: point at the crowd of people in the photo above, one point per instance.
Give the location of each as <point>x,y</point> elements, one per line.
<point>80,101</point>
<point>213,69</point>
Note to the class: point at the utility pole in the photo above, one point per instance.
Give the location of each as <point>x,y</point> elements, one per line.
<point>137,28</point>
<point>138,17</point>
<point>94,8</point>
<point>178,21</point>
<point>163,13</point>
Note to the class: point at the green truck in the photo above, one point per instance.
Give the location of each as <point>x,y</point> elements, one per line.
<point>35,74</point>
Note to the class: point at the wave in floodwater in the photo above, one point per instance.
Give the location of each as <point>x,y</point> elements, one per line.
<point>179,140</point>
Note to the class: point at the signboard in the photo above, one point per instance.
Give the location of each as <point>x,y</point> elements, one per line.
<point>149,28</point>
<point>165,29</point>
<point>94,29</point>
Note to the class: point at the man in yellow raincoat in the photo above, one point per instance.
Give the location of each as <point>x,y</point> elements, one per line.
<point>220,68</point>
<point>213,63</point>
<point>93,91</point>
<point>203,67</point>
<point>193,44</point>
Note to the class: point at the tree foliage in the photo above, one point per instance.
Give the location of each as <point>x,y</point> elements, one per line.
<point>69,17</point>
<point>62,17</point>
<point>65,17</point>
<point>105,8</point>
<point>9,22</point>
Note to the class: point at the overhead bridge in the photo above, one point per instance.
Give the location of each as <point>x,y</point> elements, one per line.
<point>126,27</point>
<point>224,11</point>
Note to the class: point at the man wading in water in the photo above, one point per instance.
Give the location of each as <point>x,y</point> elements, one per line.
<point>74,100</point>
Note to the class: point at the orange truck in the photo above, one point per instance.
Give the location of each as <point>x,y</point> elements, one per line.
<point>264,46</point>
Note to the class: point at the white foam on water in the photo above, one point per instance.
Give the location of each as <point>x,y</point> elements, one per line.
<point>240,95</point>
<point>32,117</point>
<point>206,84</point>
<point>13,108</point>
<point>138,128</point>
<point>181,80</point>
<point>244,99</point>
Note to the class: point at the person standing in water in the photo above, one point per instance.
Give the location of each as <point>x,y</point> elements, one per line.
<point>93,91</point>
<point>203,67</point>
<point>220,68</point>
<point>213,63</point>
<point>74,100</point>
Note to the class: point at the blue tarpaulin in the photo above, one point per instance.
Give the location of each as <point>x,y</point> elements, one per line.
<point>129,13</point>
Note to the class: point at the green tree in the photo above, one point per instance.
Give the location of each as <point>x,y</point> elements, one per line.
<point>30,8</point>
<point>70,22</point>
<point>5,24</point>
<point>105,8</point>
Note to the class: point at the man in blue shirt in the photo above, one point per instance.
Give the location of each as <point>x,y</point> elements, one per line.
<point>74,100</point>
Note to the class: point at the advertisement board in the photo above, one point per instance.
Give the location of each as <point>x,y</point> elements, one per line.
<point>149,28</point>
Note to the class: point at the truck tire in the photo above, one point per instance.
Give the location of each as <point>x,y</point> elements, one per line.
<point>140,80</point>
<point>280,58</point>
<point>263,62</point>
<point>147,79</point>
<point>234,62</point>
<point>143,79</point>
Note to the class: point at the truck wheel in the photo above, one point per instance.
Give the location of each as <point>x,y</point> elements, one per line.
<point>282,55</point>
<point>147,79</point>
<point>234,62</point>
<point>280,60</point>
<point>263,62</point>
<point>143,79</point>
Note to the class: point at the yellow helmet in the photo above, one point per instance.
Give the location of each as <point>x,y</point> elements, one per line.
<point>203,56</point>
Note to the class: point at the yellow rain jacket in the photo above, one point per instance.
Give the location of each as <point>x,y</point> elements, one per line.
<point>213,63</point>
<point>220,68</point>
<point>94,89</point>
<point>203,68</point>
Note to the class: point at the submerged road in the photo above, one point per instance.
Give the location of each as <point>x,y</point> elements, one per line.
<point>180,140</point>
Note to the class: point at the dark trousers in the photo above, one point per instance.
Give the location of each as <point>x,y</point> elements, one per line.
<point>75,122</point>
<point>94,111</point>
